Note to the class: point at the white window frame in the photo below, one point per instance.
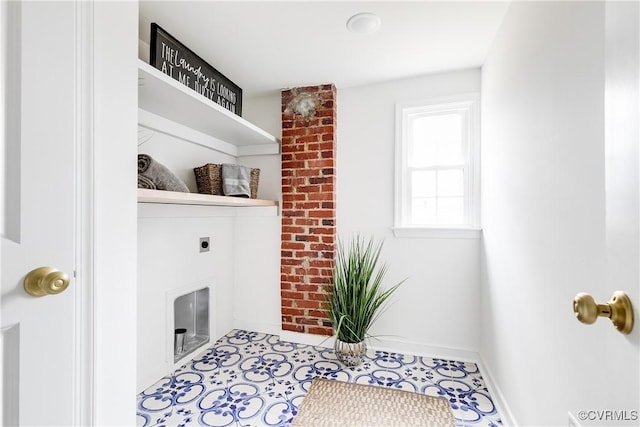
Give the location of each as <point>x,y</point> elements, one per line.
<point>470,105</point>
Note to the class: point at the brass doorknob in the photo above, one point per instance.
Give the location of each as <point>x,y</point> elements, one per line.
<point>618,309</point>
<point>45,281</point>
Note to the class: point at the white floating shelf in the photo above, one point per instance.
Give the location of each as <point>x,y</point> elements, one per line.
<point>163,96</point>
<point>178,198</point>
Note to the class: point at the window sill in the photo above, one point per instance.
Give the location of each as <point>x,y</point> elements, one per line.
<point>437,233</point>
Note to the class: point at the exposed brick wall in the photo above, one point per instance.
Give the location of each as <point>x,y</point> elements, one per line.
<point>308,210</point>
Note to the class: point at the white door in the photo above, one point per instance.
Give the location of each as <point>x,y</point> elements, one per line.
<point>40,200</point>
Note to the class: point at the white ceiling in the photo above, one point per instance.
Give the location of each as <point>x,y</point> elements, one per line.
<point>264,46</point>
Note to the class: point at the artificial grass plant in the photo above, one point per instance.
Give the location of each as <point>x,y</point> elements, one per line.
<point>357,298</point>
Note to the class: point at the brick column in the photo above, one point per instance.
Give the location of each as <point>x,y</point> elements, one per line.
<point>308,207</point>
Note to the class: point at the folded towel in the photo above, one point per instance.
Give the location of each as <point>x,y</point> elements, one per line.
<point>235,180</point>
<point>144,182</point>
<point>159,175</point>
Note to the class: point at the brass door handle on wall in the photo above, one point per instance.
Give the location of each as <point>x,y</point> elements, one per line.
<point>45,281</point>
<point>618,309</point>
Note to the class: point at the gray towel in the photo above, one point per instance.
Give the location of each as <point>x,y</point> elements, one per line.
<point>144,182</point>
<point>151,170</point>
<point>235,180</point>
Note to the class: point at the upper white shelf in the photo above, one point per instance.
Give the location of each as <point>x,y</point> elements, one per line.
<point>163,96</point>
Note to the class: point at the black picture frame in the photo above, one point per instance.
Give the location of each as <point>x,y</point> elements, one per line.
<point>177,61</point>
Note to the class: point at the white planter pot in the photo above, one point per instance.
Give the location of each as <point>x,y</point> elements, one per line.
<point>351,354</point>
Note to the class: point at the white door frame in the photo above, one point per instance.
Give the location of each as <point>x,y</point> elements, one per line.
<point>84,291</point>
<point>110,215</point>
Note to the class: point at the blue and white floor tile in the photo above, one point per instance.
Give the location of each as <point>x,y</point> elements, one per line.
<point>254,379</point>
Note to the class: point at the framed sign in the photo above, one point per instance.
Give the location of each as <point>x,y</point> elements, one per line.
<point>178,62</point>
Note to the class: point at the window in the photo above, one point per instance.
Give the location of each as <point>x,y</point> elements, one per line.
<point>437,176</point>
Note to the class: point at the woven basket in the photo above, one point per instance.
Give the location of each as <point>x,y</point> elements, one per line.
<point>209,180</point>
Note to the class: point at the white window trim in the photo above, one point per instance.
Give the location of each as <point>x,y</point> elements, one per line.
<point>472,229</point>
<point>437,232</point>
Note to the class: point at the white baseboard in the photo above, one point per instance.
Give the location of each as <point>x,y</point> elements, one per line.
<point>399,345</point>
<point>508,420</point>
<point>308,339</point>
<point>385,344</point>
<point>263,327</point>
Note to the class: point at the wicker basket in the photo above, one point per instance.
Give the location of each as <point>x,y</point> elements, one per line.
<point>209,180</point>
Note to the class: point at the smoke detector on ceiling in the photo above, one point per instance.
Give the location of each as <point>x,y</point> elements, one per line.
<point>364,23</point>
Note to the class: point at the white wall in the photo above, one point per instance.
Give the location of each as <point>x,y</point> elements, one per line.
<point>169,260</point>
<point>169,257</point>
<point>439,270</point>
<point>437,309</point>
<point>256,304</point>
<point>543,210</point>
<point>243,266</point>
<point>179,156</point>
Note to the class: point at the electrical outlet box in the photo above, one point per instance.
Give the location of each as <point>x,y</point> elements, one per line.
<point>204,244</point>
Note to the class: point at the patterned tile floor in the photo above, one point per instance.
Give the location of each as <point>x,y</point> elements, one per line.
<point>254,379</point>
